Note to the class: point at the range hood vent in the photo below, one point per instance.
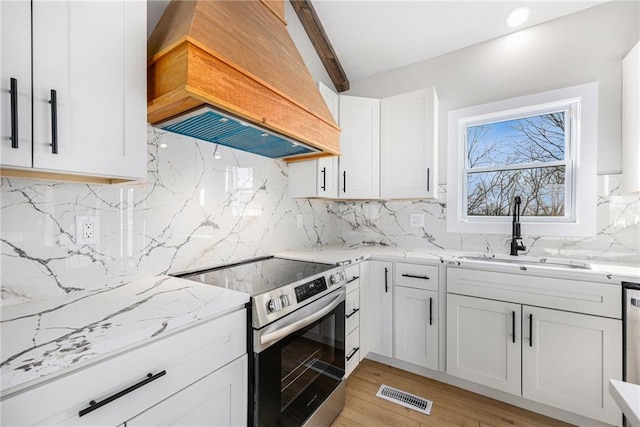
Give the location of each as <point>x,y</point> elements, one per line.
<point>215,66</point>
<point>207,124</point>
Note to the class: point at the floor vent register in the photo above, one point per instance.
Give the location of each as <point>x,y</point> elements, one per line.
<point>405,399</point>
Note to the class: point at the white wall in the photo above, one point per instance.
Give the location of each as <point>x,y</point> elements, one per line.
<point>306,49</point>
<point>579,48</point>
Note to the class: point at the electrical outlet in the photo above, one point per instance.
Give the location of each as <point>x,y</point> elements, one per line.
<point>417,220</point>
<point>87,229</point>
<point>299,221</point>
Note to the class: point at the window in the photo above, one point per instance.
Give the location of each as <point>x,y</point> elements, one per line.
<point>539,147</point>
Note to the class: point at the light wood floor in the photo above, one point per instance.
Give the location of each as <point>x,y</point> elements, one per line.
<point>452,406</point>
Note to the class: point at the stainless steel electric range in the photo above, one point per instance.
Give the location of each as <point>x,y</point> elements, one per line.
<point>297,337</point>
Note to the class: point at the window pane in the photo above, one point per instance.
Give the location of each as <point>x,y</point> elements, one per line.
<point>542,191</point>
<point>531,139</point>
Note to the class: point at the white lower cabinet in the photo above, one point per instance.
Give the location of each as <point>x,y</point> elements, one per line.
<point>567,360</point>
<point>416,326</point>
<point>153,377</point>
<point>481,346</point>
<point>380,319</point>
<point>219,399</point>
<point>352,319</point>
<point>416,314</point>
<point>554,357</point>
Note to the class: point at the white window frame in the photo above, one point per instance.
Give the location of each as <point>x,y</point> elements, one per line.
<point>581,104</point>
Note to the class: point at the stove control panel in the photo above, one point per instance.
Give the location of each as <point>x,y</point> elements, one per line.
<point>310,289</point>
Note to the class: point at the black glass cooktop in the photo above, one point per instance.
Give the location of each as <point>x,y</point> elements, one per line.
<point>258,276</point>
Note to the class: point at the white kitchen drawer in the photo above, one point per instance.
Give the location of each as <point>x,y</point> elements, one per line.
<point>353,277</point>
<point>417,276</point>
<point>352,310</point>
<point>600,299</point>
<point>352,350</point>
<point>186,356</point>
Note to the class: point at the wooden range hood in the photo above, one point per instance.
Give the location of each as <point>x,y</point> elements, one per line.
<point>238,57</point>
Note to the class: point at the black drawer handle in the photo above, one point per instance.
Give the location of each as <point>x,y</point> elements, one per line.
<point>324,179</point>
<point>513,325</point>
<point>355,310</point>
<point>54,121</point>
<point>93,405</point>
<point>352,279</point>
<point>530,330</point>
<point>413,276</point>
<point>14,112</point>
<point>353,353</point>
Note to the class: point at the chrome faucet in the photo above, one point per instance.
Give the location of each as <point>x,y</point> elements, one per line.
<point>516,237</point>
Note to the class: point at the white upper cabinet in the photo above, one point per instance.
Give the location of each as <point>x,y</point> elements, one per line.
<point>317,178</point>
<point>631,121</point>
<point>15,84</point>
<point>409,145</point>
<point>359,162</point>
<point>89,87</point>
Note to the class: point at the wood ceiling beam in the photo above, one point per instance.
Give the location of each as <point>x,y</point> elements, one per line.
<point>312,25</point>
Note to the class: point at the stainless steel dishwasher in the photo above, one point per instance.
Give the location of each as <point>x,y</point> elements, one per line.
<point>631,327</point>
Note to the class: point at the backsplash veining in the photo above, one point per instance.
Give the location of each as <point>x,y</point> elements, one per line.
<point>199,207</point>
<point>387,223</point>
<point>203,206</point>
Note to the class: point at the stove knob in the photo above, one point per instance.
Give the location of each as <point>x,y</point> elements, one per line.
<point>275,304</point>
<point>335,278</point>
<point>284,298</point>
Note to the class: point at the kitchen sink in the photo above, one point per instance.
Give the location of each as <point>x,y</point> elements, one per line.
<point>533,262</point>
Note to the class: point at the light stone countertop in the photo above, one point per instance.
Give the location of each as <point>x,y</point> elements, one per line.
<point>46,338</point>
<point>598,272</point>
<point>627,396</point>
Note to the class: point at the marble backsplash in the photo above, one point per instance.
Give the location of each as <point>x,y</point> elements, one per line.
<point>204,206</point>
<point>199,207</point>
<point>388,223</point>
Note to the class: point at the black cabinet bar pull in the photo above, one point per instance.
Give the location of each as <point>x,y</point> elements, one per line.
<point>353,353</point>
<point>93,405</point>
<point>530,330</point>
<point>344,181</point>
<point>54,121</point>
<point>14,112</point>
<point>513,325</point>
<point>355,310</point>
<point>414,276</point>
<point>386,280</point>
<point>352,279</point>
<point>428,176</point>
<point>324,179</point>
<point>430,311</point>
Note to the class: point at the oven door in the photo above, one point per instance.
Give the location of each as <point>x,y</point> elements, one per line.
<point>299,361</point>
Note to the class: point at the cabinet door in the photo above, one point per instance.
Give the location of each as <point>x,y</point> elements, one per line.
<point>409,142</point>
<point>92,54</point>
<point>317,178</point>
<point>568,360</point>
<point>15,65</point>
<point>481,344</point>
<point>359,162</point>
<point>219,399</point>
<point>631,120</point>
<point>416,326</point>
<point>364,308</point>
<point>380,324</point>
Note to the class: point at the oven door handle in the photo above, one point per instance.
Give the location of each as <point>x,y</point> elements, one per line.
<point>296,325</point>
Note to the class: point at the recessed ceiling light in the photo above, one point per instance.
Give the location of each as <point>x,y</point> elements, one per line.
<point>163,145</point>
<point>518,16</point>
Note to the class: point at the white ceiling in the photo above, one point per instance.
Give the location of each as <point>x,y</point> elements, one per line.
<point>373,36</point>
